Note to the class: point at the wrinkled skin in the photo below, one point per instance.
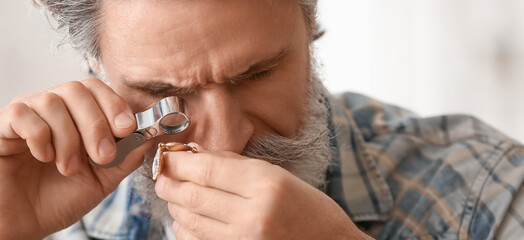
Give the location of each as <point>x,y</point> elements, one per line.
<point>45,179</point>
<point>149,50</point>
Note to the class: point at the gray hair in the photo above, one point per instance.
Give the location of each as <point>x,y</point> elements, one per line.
<point>81,20</point>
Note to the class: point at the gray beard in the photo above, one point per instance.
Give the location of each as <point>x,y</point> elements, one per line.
<point>307,155</point>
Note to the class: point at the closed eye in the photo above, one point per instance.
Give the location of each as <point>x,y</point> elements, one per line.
<point>254,77</point>
<point>260,75</point>
<point>166,92</point>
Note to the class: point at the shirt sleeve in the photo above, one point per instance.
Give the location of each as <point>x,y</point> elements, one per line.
<point>512,224</point>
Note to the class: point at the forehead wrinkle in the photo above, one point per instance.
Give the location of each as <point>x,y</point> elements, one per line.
<point>220,65</point>
<point>206,54</point>
<point>189,65</point>
<point>194,72</point>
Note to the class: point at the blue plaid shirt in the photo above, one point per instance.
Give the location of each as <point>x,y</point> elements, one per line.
<point>396,175</point>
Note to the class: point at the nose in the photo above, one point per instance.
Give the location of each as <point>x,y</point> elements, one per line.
<point>218,121</point>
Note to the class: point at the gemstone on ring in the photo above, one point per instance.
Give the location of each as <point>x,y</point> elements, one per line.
<point>158,162</point>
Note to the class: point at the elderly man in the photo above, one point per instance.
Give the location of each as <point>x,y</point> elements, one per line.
<point>277,156</point>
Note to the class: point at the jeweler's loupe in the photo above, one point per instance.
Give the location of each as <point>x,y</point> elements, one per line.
<point>166,117</point>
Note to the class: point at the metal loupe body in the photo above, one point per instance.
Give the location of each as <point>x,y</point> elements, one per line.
<point>166,117</point>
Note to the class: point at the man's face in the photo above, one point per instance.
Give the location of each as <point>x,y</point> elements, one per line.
<point>241,65</point>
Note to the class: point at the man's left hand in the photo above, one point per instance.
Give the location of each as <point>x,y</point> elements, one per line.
<point>223,195</point>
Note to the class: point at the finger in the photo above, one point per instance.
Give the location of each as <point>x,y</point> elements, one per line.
<point>196,225</point>
<point>212,203</point>
<point>181,233</point>
<point>12,146</point>
<point>19,121</point>
<point>66,139</point>
<point>212,170</point>
<point>90,121</point>
<point>118,113</point>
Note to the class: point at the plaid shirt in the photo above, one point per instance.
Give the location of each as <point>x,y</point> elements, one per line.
<point>396,175</point>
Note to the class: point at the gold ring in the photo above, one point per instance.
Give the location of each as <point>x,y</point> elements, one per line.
<point>158,160</point>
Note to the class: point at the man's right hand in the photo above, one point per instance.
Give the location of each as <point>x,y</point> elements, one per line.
<point>62,125</point>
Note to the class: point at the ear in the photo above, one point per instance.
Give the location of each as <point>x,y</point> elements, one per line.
<point>94,66</point>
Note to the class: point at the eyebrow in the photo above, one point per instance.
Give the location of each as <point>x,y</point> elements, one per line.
<point>260,66</point>
<point>154,87</point>
<point>157,87</point>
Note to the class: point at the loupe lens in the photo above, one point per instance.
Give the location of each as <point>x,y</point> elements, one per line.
<point>174,123</point>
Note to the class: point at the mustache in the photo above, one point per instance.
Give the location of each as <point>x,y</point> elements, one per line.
<point>283,151</point>
<point>307,155</point>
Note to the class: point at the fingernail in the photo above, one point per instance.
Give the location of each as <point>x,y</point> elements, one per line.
<point>74,164</point>
<point>123,121</point>
<point>159,185</point>
<point>176,225</point>
<point>50,152</point>
<point>106,148</point>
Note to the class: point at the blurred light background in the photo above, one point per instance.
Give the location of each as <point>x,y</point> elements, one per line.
<point>430,56</point>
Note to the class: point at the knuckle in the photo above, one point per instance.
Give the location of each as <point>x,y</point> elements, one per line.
<point>192,222</point>
<point>50,100</point>
<point>16,110</point>
<point>38,130</point>
<point>74,87</point>
<point>191,197</point>
<point>206,171</point>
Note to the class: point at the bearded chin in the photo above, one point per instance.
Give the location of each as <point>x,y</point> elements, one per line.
<point>307,155</point>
